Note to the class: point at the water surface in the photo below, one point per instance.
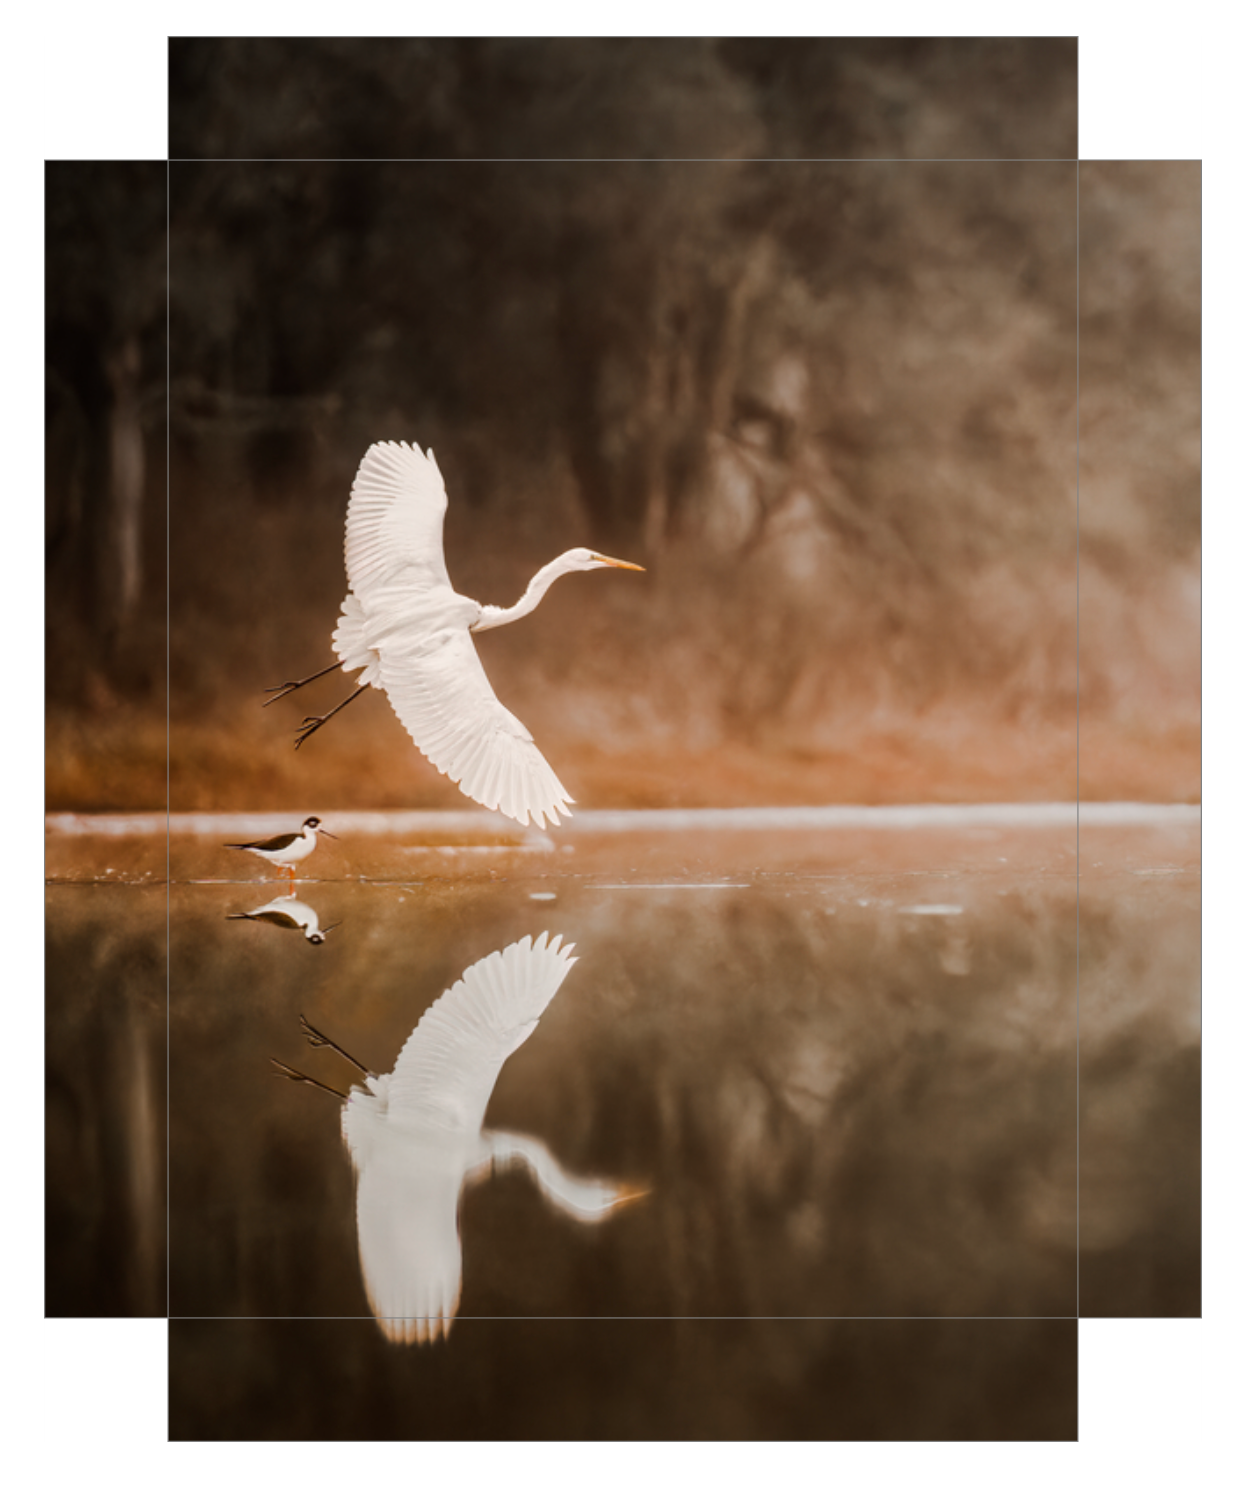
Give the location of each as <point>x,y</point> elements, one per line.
<point>839,1063</point>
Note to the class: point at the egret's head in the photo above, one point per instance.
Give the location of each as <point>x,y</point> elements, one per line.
<point>585,558</point>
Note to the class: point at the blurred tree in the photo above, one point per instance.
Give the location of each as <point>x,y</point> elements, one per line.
<point>105,380</point>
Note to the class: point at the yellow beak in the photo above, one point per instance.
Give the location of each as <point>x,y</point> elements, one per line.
<point>618,563</point>
<point>631,1195</point>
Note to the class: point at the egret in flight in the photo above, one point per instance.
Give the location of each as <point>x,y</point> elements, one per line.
<point>411,632</point>
<point>287,849</point>
<point>415,1136</point>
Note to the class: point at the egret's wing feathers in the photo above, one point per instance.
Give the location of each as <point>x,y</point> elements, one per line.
<point>411,1254</point>
<point>405,626</point>
<point>395,525</point>
<point>446,1072</point>
<point>443,697</point>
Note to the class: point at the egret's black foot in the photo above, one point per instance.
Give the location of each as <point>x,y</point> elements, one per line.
<point>284,688</point>
<point>309,727</point>
<point>289,1073</point>
<point>315,1039</point>
<point>319,1040</point>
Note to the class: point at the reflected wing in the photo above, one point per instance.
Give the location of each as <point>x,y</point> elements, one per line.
<point>443,697</point>
<point>395,526</point>
<point>446,1071</point>
<point>411,1254</point>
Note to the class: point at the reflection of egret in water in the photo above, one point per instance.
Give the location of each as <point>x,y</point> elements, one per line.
<point>415,1136</point>
<point>289,913</point>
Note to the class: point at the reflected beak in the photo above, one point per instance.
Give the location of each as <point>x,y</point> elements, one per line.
<point>618,563</point>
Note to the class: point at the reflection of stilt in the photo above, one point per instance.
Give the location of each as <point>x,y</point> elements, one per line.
<point>321,1041</point>
<point>289,913</point>
<point>289,1073</point>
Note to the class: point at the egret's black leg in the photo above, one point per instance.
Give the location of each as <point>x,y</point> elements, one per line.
<point>321,1041</point>
<point>312,725</point>
<point>289,1073</point>
<point>282,690</point>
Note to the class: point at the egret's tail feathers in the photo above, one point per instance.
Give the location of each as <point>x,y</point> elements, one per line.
<point>349,642</point>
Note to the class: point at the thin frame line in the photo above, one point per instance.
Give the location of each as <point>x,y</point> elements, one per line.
<point>168,877</point>
<point>632,1317</point>
<point>1077,738</point>
<point>171,1316</point>
<point>620,160</point>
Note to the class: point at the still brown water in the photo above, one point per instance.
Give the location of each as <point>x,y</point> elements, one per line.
<point>837,1070</point>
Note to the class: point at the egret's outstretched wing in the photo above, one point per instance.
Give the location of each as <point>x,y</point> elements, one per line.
<point>447,1070</point>
<point>411,1253</point>
<point>395,526</point>
<point>443,697</point>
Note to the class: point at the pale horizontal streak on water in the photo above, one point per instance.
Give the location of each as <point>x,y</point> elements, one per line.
<point>737,818</point>
<point>712,884</point>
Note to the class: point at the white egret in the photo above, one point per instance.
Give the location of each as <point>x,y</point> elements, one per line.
<point>287,849</point>
<point>289,913</point>
<point>403,623</point>
<point>415,1136</point>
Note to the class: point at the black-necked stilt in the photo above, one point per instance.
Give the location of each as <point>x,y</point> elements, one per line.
<point>416,1136</point>
<point>289,848</point>
<point>290,913</point>
<point>404,623</point>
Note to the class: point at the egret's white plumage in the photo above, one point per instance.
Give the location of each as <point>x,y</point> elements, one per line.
<point>416,1135</point>
<point>409,632</point>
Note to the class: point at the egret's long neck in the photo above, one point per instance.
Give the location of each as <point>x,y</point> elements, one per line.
<point>491,615</point>
<point>582,1198</point>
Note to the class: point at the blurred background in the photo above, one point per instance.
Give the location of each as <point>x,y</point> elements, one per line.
<point>796,325</point>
